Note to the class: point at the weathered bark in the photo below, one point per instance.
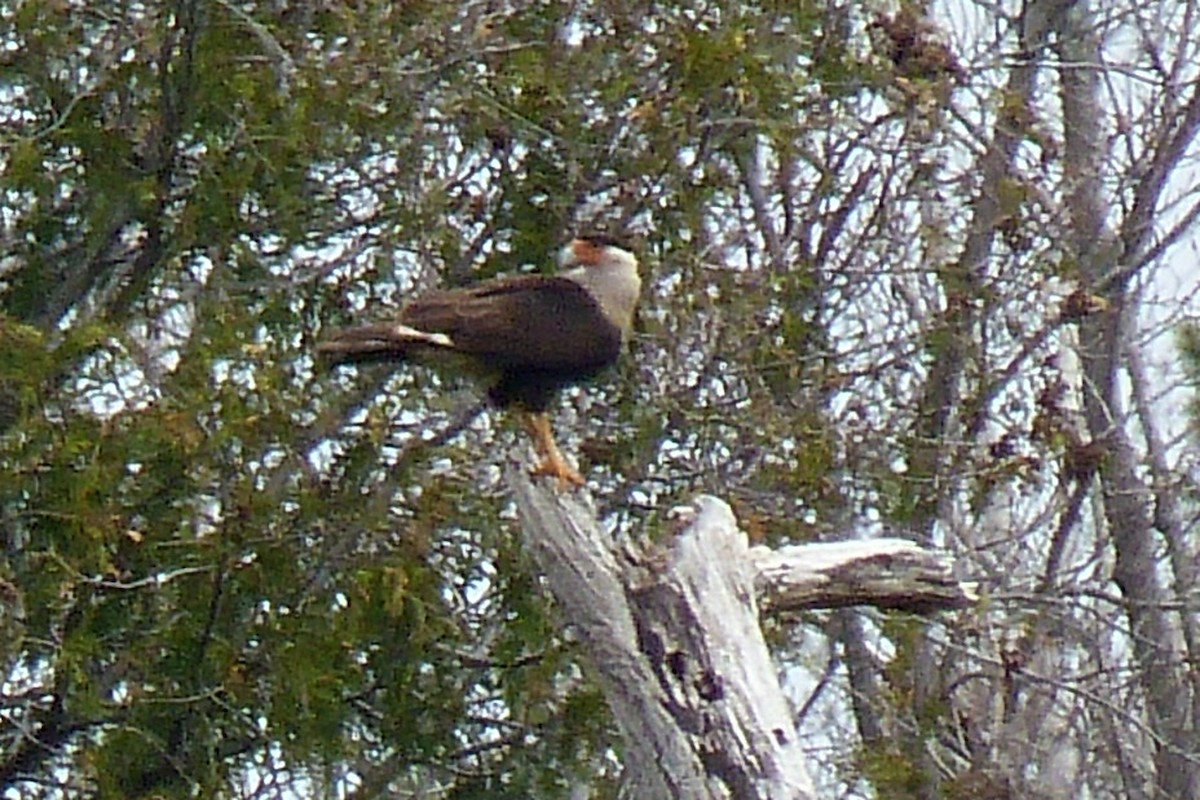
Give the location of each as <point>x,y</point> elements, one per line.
<point>886,573</point>
<point>672,630</point>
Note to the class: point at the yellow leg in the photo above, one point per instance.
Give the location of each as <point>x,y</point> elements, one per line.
<point>553,462</point>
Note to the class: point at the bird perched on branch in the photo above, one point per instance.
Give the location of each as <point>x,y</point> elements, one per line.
<point>526,336</point>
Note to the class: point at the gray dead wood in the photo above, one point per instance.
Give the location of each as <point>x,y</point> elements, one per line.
<point>672,632</point>
<point>885,573</point>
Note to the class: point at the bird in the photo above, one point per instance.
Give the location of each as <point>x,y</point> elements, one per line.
<point>524,337</point>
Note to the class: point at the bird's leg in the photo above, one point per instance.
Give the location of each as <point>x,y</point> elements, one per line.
<point>553,462</point>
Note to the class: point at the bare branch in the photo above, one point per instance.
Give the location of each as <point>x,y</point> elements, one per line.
<point>887,573</point>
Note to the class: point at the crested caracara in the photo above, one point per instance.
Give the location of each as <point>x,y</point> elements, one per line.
<point>527,336</point>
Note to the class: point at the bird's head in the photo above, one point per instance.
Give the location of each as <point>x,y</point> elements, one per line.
<point>608,271</point>
<point>605,252</point>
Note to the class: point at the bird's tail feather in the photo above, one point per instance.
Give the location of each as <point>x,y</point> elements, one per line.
<point>371,343</point>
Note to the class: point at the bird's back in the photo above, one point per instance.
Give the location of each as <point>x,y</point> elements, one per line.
<point>528,323</point>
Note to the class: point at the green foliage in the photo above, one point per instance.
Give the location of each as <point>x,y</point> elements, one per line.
<point>892,773</point>
<point>234,568</point>
<point>1189,348</point>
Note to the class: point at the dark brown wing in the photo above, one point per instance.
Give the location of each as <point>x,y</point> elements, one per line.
<point>526,323</point>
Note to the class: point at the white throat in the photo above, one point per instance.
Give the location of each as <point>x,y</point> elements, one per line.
<point>615,284</point>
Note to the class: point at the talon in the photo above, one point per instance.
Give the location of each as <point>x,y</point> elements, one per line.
<point>560,469</point>
<point>553,463</point>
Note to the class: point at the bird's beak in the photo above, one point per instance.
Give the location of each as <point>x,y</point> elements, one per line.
<point>567,256</point>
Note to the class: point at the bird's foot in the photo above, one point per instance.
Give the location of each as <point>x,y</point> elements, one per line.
<point>556,466</point>
<point>552,462</point>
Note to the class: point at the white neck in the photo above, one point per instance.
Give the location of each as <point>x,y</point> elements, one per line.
<point>615,285</point>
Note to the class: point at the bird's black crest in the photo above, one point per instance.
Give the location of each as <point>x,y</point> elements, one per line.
<point>605,240</point>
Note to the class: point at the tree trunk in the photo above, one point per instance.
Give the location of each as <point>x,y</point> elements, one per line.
<point>672,631</point>
<point>1108,262</point>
